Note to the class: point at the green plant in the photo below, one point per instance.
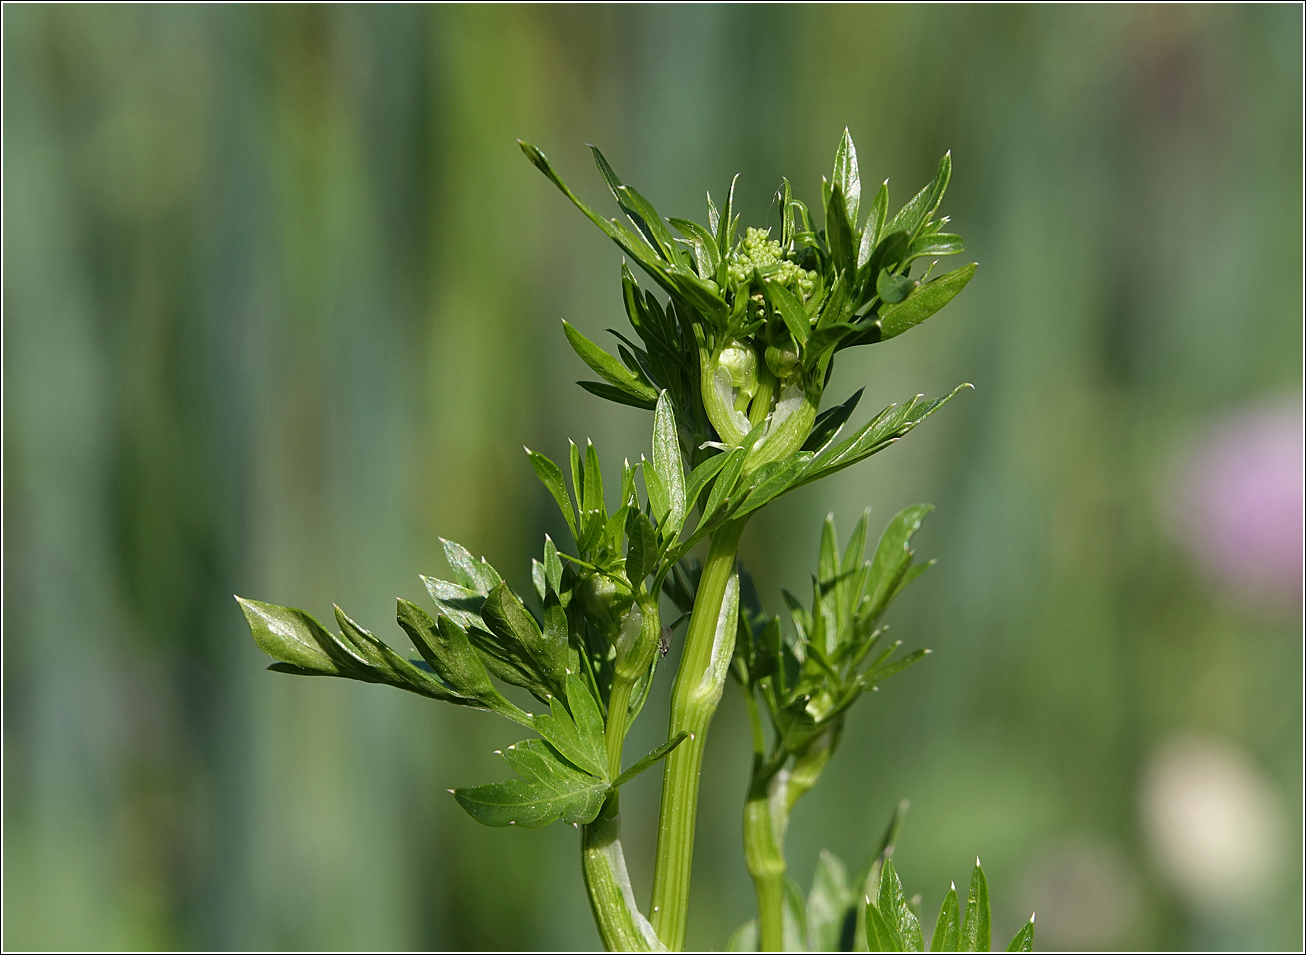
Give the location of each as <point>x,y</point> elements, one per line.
<point>733,364</point>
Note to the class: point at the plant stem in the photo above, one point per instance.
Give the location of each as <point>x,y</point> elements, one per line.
<point>766,817</point>
<point>709,644</point>
<point>607,883</point>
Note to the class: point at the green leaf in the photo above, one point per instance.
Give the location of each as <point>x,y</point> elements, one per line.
<point>828,904</point>
<point>1024,940</point>
<point>880,934</point>
<point>889,253</point>
<point>893,906</point>
<point>876,435</point>
<point>936,243</point>
<point>621,396</point>
<point>650,759</point>
<point>578,734</point>
<point>790,309</point>
<point>703,243</point>
<point>839,231</point>
<point>550,789</point>
<point>893,555</point>
<point>725,482</point>
<point>975,933</point>
<point>874,227</point>
<point>474,574</point>
<point>641,547</point>
<point>445,647</point>
<point>914,214</point>
<point>923,301</point>
<point>550,476</point>
<point>510,621</point>
<point>880,673</point>
<point>845,175</point>
<point>947,930</point>
<point>700,476</point>
<point>289,635</point>
<point>893,288</point>
<point>828,422</point>
<point>667,463</point>
<point>607,367</point>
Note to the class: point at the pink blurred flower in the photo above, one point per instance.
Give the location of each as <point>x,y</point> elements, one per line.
<point>1240,503</point>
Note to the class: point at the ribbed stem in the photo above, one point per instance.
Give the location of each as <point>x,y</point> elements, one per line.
<point>766,818</point>
<point>621,926</point>
<point>709,644</point>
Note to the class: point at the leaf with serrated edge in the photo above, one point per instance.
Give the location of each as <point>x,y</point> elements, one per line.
<point>893,906</point>
<point>549,790</point>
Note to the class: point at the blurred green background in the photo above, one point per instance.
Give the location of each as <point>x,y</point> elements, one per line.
<point>282,304</point>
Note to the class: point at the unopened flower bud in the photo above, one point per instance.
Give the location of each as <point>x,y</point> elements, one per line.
<point>782,359</point>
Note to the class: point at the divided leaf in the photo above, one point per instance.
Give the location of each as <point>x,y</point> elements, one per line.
<point>550,789</point>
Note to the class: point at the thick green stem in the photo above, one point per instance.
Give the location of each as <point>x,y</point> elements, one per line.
<point>709,644</point>
<point>766,817</point>
<point>621,926</point>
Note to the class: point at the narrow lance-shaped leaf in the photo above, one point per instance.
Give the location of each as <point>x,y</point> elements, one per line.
<point>976,935</point>
<point>1024,939</point>
<point>947,930</point>
<point>609,368</point>
<point>923,302</point>
<point>845,175</point>
<point>550,476</point>
<point>666,461</point>
<point>893,906</point>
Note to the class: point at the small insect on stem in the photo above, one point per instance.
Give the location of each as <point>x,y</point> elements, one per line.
<point>664,641</point>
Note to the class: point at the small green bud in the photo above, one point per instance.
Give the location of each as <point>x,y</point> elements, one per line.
<point>739,361</point>
<point>782,359</point>
<point>606,602</point>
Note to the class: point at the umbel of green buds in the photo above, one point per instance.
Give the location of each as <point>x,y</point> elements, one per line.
<point>745,342</point>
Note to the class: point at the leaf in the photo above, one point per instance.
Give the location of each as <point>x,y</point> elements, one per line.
<point>790,309</point>
<point>550,789</point>
<point>876,435</point>
<point>827,904</point>
<point>880,935</point>
<point>578,734</point>
<point>880,673</point>
<point>923,301</point>
<point>893,288</point>
<point>650,759</point>
<point>975,933</point>
<point>893,554</point>
<point>845,175</point>
<point>607,367</point>
<point>874,227</point>
<point>947,930</point>
<point>699,477</point>
<point>667,463</point>
<point>725,482</point>
<point>936,243</point>
<point>621,396</point>
<point>445,647</point>
<point>706,256</point>
<point>889,253</point>
<point>839,231</point>
<point>510,621</point>
<point>1024,940</point>
<point>474,574</point>
<point>893,906</point>
<point>828,422</point>
<point>914,214</point>
<point>641,547</point>
<point>289,635</point>
<point>550,476</point>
